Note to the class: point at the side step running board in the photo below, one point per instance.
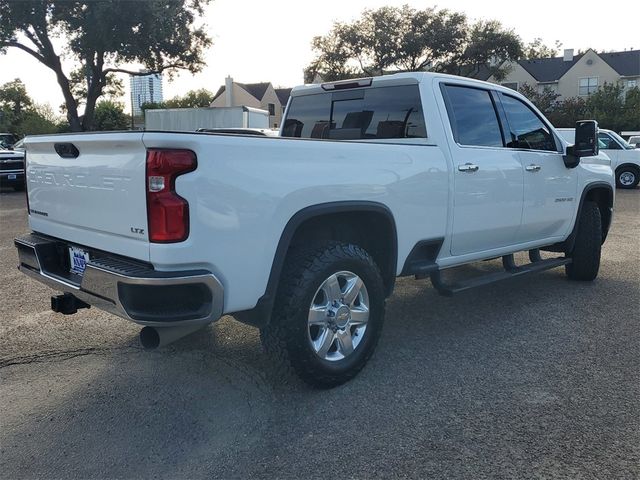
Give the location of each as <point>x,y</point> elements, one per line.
<point>511,271</point>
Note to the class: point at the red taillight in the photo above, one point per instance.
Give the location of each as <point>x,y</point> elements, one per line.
<point>167,212</point>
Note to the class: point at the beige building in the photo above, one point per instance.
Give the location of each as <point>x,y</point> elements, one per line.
<point>258,95</point>
<point>575,75</point>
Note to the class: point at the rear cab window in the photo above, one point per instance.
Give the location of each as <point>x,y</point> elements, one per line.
<point>376,113</point>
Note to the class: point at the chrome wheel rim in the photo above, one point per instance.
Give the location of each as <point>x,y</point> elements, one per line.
<point>338,316</point>
<point>627,178</point>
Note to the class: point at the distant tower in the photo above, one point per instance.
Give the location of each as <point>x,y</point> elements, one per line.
<point>145,89</point>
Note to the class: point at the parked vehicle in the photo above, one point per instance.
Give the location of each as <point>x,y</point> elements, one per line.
<point>191,119</point>
<point>625,160</point>
<point>12,169</point>
<point>634,141</point>
<point>303,237</point>
<point>18,146</point>
<point>7,140</point>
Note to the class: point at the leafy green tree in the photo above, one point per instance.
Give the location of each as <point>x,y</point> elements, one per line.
<point>101,36</point>
<point>632,109</point>
<point>110,116</point>
<point>407,39</point>
<point>487,43</point>
<point>568,111</point>
<point>606,105</point>
<point>546,101</point>
<point>20,115</point>
<point>537,49</point>
<point>192,99</point>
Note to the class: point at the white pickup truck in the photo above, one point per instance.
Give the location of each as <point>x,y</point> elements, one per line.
<point>303,236</point>
<point>625,159</point>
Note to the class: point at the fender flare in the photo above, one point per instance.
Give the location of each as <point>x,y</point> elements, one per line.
<point>606,219</point>
<point>260,315</point>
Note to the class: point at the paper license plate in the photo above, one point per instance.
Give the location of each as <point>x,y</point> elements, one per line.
<point>78,260</point>
<point>12,176</point>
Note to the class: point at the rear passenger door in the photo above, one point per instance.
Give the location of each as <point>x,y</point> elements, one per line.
<point>549,186</point>
<point>488,178</point>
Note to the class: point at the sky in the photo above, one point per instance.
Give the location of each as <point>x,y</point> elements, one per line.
<point>258,41</point>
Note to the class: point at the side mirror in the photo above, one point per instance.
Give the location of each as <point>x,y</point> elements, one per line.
<point>586,143</point>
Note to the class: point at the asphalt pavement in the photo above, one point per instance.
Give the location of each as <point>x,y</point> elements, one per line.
<point>538,377</point>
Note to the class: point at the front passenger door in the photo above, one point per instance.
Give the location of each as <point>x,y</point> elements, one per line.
<point>549,186</point>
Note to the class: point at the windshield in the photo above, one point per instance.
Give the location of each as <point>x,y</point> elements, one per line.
<point>623,143</point>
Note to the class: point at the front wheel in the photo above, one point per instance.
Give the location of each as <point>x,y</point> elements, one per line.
<point>627,177</point>
<point>585,256</point>
<point>328,314</point>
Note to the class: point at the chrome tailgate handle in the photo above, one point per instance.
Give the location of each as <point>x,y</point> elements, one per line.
<point>468,167</point>
<point>532,168</point>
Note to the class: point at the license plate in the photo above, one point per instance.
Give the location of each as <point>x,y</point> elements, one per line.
<point>12,176</point>
<point>78,260</point>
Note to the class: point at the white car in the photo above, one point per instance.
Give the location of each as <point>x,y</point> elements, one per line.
<point>303,235</point>
<point>625,159</point>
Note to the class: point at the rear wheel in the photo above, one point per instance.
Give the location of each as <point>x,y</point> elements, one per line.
<point>587,247</point>
<point>627,176</point>
<point>328,314</point>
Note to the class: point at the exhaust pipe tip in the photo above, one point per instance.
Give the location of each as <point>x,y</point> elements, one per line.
<point>149,338</point>
<point>154,337</point>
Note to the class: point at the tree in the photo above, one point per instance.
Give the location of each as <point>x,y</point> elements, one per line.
<point>487,44</point>
<point>192,99</point>
<point>606,105</point>
<point>102,35</point>
<point>537,49</point>
<point>406,39</point>
<point>110,116</point>
<point>546,101</point>
<point>20,115</point>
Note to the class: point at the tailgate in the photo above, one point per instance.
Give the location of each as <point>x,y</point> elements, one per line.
<point>89,189</point>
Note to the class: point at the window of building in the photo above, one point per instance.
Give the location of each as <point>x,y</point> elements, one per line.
<point>511,85</point>
<point>473,116</point>
<point>632,83</point>
<point>588,85</point>
<point>525,128</point>
<point>375,113</point>
<point>548,87</point>
<point>272,108</point>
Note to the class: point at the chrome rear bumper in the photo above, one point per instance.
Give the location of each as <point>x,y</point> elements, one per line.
<point>130,289</point>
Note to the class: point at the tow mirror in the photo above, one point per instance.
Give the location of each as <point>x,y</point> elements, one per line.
<point>586,143</point>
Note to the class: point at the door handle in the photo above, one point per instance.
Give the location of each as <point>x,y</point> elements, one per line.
<point>468,167</point>
<point>532,168</point>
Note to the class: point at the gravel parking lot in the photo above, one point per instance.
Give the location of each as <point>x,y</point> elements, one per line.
<point>534,378</point>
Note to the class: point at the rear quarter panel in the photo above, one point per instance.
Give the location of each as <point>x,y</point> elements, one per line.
<point>246,189</point>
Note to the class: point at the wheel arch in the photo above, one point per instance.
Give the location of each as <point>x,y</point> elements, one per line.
<point>602,194</point>
<point>627,165</point>
<point>371,223</point>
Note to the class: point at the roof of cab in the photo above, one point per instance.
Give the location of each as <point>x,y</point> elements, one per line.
<point>396,79</point>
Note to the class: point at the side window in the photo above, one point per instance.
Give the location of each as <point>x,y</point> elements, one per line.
<point>526,129</point>
<point>376,113</point>
<point>609,143</point>
<point>472,116</point>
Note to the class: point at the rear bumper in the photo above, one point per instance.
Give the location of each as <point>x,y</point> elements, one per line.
<point>130,289</point>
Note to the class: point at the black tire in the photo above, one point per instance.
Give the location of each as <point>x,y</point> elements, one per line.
<point>627,177</point>
<point>286,339</point>
<point>588,244</point>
